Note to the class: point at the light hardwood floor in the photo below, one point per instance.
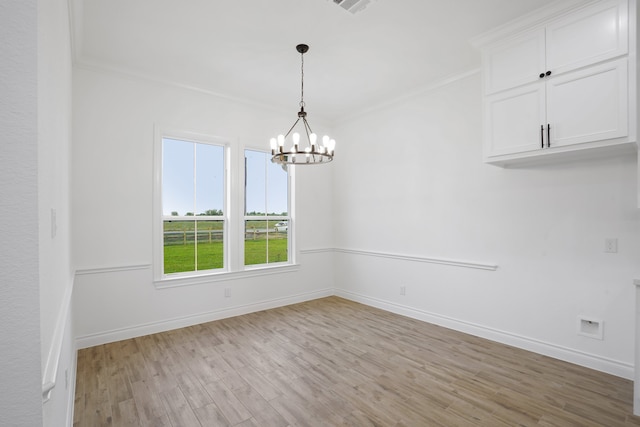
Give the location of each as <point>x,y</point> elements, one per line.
<point>333,362</point>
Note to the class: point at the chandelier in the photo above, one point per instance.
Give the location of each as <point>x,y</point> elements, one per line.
<point>312,152</point>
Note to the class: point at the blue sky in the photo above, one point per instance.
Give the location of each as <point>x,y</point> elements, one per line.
<point>198,185</point>
<point>266,188</point>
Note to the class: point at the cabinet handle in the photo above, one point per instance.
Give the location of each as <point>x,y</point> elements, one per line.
<point>542,75</point>
<point>548,135</point>
<point>548,73</point>
<point>541,136</point>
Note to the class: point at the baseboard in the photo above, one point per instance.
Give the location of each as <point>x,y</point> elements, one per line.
<point>613,367</point>
<point>181,322</point>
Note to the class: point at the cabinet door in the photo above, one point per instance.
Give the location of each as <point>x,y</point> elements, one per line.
<point>593,34</point>
<point>514,63</point>
<point>513,119</point>
<point>589,104</point>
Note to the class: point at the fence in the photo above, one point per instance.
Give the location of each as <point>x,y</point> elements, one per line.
<point>211,236</point>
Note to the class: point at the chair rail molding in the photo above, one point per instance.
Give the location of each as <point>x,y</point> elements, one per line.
<point>50,372</point>
<point>430,260</point>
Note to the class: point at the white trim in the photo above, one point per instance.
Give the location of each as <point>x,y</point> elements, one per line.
<point>160,132</point>
<point>50,372</point>
<point>636,356</point>
<point>181,322</point>
<point>593,361</point>
<point>264,270</point>
<point>285,268</point>
<point>291,200</point>
<point>535,19</point>
<point>115,269</point>
<point>451,262</point>
<point>76,28</point>
<point>101,67</point>
<point>316,251</point>
<point>172,282</point>
<point>430,87</point>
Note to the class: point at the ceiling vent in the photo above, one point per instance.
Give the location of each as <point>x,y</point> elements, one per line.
<point>352,6</point>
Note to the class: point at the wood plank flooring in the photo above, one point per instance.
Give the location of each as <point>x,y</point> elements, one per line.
<point>333,362</point>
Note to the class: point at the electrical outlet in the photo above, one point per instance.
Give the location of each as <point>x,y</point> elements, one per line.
<point>403,290</point>
<point>227,292</point>
<point>611,245</point>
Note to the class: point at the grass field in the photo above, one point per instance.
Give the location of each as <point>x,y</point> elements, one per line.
<point>181,257</point>
<point>180,250</point>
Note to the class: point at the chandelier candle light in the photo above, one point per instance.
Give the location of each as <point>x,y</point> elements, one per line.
<point>313,153</point>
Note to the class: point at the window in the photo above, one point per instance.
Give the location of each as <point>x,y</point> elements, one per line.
<point>220,211</point>
<point>266,210</point>
<point>193,208</point>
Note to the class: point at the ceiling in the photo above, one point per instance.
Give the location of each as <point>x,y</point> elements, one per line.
<point>246,49</point>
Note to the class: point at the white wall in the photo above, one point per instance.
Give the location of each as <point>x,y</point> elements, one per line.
<point>410,182</point>
<point>54,142</point>
<point>21,397</point>
<point>113,131</point>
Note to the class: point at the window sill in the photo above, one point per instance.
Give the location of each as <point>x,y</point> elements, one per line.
<point>223,276</point>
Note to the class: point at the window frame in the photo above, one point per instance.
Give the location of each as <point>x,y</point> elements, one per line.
<point>158,216</point>
<point>233,210</point>
<point>289,217</point>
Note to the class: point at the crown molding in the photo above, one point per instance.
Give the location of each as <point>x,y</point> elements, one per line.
<point>420,90</point>
<point>529,21</point>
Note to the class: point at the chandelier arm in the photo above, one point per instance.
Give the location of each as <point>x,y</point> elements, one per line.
<point>294,125</point>
<point>307,128</point>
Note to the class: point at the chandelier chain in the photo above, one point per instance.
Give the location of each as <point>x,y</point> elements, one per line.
<point>302,80</point>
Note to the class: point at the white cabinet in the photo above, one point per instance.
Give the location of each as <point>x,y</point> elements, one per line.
<point>517,61</point>
<point>513,119</point>
<point>587,105</point>
<point>590,35</point>
<point>562,85</point>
